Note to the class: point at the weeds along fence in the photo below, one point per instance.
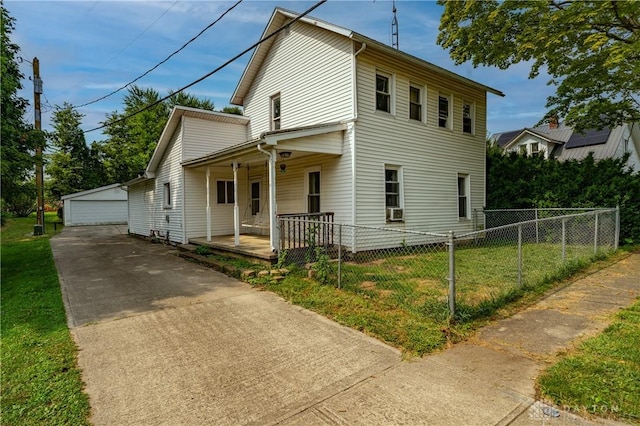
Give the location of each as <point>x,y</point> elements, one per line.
<point>466,272</point>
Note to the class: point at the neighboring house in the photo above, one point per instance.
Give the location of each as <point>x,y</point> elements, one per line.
<point>100,206</point>
<point>334,123</point>
<point>556,140</point>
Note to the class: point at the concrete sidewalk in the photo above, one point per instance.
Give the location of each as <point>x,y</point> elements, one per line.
<point>163,341</point>
<point>490,379</point>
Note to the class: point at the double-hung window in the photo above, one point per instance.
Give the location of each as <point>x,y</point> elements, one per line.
<point>444,111</point>
<point>275,112</point>
<point>392,187</point>
<point>225,192</point>
<point>415,103</point>
<point>383,92</point>
<point>313,191</point>
<point>467,117</point>
<point>463,196</point>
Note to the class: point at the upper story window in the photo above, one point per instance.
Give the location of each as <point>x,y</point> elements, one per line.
<point>383,92</point>
<point>225,192</point>
<point>467,117</point>
<point>415,103</point>
<point>444,111</point>
<point>275,112</point>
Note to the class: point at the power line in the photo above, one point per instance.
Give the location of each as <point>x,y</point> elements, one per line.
<point>140,35</point>
<point>164,60</point>
<point>193,83</point>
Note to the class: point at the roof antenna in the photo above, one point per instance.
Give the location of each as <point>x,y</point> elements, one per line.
<point>394,29</point>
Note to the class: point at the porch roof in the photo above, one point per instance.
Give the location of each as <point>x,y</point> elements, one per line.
<point>285,139</point>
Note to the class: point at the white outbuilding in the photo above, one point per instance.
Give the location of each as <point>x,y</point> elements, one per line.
<point>99,206</point>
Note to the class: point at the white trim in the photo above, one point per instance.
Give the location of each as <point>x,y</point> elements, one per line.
<point>89,191</point>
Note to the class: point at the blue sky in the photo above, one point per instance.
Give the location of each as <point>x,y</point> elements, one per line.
<point>90,48</point>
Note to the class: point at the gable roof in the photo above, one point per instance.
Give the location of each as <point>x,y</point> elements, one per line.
<point>280,17</point>
<point>518,134</point>
<point>174,120</point>
<point>89,191</point>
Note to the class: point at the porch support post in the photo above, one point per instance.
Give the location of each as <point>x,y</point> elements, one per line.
<point>208,205</point>
<point>273,224</point>
<point>236,210</point>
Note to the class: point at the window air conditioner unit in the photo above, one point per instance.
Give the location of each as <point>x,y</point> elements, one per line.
<point>395,214</point>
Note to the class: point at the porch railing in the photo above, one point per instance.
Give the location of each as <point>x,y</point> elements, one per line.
<point>305,230</point>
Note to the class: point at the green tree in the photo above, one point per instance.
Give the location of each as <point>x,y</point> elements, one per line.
<point>71,167</point>
<point>17,137</point>
<point>591,50</point>
<point>517,181</point>
<point>232,110</point>
<point>131,141</point>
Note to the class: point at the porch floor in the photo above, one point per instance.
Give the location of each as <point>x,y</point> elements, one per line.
<point>253,246</point>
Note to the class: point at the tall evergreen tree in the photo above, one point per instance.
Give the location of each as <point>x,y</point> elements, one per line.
<point>17,137</point>
<point>71,168</point>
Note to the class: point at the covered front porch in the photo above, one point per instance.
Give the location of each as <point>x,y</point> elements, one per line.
<point>239,192</point>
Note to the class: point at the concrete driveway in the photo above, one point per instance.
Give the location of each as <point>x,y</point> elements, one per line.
<point>164,341</point>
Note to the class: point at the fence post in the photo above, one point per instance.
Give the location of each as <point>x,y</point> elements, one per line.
<point>564,240</point>
<point>520,254</point>
<point>339,255</point>
<point>452,275</point>
<point>617,236</point>
<point>595,237</point>
<point>537,228</point>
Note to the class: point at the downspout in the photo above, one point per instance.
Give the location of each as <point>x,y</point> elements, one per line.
<point>273,226</point>
<point>354,204</point>
<point>208,209</point>
<point>236,211</point>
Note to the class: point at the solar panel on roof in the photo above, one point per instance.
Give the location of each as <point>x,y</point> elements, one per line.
<point>506,137</point>
<point>590,137</point>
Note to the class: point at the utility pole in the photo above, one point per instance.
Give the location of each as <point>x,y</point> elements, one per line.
<point>38,229</point>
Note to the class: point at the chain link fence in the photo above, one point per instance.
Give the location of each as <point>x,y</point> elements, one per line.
<point>439,274</point>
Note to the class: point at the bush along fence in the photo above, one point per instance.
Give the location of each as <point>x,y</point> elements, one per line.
<point>455,275</point>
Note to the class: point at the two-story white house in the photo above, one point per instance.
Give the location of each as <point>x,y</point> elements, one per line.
<point>335,124</point>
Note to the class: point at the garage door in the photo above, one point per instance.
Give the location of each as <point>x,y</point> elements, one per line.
<point>98,212</point>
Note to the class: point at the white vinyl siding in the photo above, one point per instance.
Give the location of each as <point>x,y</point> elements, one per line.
<point>99,206</point>
<point>202,137</point>
<point>169,171</point>
<point>426,153</point>
<point>311,69</point>
<point>335,182</point>
<point>141,202</point>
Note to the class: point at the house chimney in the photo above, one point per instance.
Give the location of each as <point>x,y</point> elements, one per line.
<point>553,122</point>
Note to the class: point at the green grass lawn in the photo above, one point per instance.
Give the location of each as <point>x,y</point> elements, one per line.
<point>40,380</point>
<point>602,377</point>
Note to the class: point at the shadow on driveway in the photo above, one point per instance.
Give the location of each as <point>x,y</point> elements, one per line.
<point>106,274</point>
